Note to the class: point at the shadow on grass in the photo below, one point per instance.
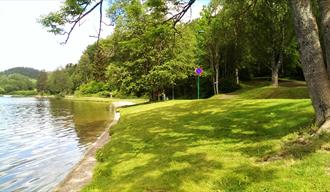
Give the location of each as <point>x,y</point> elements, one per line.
<point>300,147</point>
<point>197,143</point>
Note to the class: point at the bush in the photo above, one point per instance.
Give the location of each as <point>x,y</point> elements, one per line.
<point>2,91</point>
<point>59,96</point>
<point>24,93</point>
<point>228,85</point>
<point>105,94</point>
<point>91,88</point>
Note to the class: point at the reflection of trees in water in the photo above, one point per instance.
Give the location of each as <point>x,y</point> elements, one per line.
<point>42,108</point>
<point>89,118</point>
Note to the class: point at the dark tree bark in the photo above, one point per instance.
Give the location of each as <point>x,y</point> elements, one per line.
<point>325,17</point>
<point>312,60</point>
<point>275,76</point>
<point>276,64</point>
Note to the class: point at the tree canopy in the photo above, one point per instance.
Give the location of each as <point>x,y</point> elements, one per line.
<point>152,52</point>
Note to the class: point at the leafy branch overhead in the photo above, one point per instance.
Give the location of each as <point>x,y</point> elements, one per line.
<point>72,13</point>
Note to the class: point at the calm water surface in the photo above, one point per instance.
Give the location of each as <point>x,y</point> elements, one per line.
<point>42,139</point>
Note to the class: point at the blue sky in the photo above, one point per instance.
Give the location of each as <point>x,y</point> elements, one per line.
<point>23,41</point>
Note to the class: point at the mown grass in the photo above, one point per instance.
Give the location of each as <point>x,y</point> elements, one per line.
<point>235,144</point>
<point>101,99</point>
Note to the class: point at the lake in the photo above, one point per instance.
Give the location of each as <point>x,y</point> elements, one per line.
<point>42,139</point>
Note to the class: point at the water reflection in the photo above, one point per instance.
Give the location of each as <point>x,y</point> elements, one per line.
<point>41,139</point>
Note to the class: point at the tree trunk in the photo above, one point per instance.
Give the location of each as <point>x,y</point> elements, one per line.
<point>217,79</point>
<point>214,87</point>
<point>275,77</point>
<point>276,64</point>
<point>217,65</point>
<point>237,76</point>
<point>212,60</point>
<point>312,60</point>
<point>325,17</point>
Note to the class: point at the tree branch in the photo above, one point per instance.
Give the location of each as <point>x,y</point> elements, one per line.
<point>80,17</point>
<point>177,17</point>
<point>100,23</point>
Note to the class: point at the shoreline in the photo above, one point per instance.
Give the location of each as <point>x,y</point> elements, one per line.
<point>82,172</point>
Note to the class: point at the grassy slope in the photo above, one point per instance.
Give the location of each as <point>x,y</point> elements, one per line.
<point>234,144</point>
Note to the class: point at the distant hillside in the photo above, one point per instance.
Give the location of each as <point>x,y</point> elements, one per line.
<point>26,71</point>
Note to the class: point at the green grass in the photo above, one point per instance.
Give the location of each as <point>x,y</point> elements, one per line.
<point>234,144</point>
<point>263,90</point>
<point>101,99</point>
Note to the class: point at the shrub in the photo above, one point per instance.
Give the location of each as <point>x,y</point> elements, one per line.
<point>105,94</point>
<point>91,88</point>
<point>2,91</point>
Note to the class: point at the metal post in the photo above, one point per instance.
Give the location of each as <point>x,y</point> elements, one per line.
<point>198,87</point>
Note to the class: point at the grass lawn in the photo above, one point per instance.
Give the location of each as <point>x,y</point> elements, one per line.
<point>101,99</point>
<point>234,144</point>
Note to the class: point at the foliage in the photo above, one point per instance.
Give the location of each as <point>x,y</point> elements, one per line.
<point>42,82</point>
<point>24,93</point>
<point>92,88</point>
<point>2,90</point>
<point>105,94</point>
<point>146,56</point>
<point>59,82</point>
<point>15,82</point>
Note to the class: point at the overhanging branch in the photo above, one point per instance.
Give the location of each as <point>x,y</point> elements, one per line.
<point>81,16</point>
<point>178,16</point>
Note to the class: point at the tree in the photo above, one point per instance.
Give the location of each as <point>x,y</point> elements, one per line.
<point>313,63</point>
<point>59,82</point>
<point>325,21</point>
<point>213,31</point>
<point>42,82</point>
<point>271,34</point>
<point>146,49</point>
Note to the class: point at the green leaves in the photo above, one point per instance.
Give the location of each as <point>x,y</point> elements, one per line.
<point>59,82</point>
<point>54,21</point>
<point>15,82</point>
<point>42,82</point>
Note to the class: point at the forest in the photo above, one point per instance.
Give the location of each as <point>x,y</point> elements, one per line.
<point>147,57</point>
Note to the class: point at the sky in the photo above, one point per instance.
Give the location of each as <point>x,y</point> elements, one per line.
<point>25,43</point>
